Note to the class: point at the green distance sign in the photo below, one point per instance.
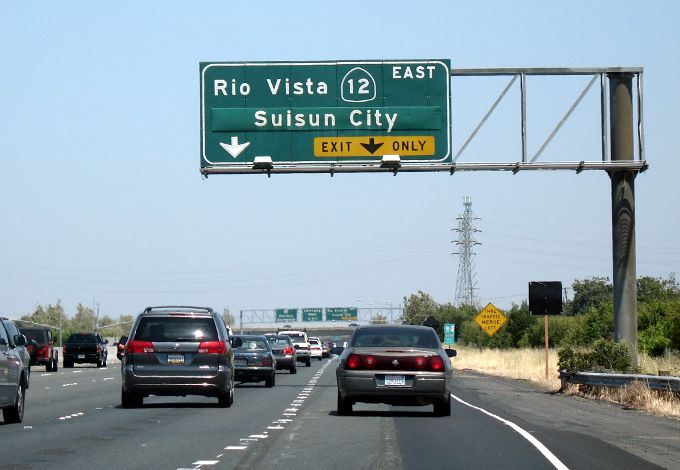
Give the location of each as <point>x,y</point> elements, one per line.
<point>312,314</point>
<point>449,333</point>
<point>286,315</point>
<point>341,314</point>
<point>312,113</point>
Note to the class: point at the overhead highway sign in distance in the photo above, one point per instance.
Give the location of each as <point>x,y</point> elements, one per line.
<point>324,115</point>
<point>286,315</point>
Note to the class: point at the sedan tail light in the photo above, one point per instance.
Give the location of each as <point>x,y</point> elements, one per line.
<point>212,347</point>
<point>139,347</point>
<point>288,351</point>
<point>368,361</point>
<point>267,361</point>
<point>353,361</point>
<point>436,364</point>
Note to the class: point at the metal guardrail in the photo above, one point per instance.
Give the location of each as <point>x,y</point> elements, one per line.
<point>603,379</point>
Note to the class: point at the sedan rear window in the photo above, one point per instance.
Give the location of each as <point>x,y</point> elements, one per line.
<point>176,329</point>
<point>297,338</point>
<point>279,341</point>
<point>253,344</point>
<point>395,339</point>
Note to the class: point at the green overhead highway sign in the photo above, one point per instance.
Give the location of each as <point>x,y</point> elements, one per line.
<point>286,315</point>
<point>312,314</point>
<point>341,314</point>
<point>302,115</point>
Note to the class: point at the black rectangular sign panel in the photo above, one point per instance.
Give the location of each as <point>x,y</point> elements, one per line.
<point>545,298</point>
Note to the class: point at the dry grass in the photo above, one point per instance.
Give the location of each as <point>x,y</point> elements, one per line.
<point>529,364</point>
<point>524,364</point>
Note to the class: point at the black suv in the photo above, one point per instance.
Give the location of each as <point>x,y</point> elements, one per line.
<point>177,351</point>
<point>88,348</point>
<point>41,347</point>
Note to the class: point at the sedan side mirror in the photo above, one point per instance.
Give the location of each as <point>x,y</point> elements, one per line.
<point>451,352</point>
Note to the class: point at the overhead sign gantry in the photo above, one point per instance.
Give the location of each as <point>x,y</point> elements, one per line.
<point>321,116</point>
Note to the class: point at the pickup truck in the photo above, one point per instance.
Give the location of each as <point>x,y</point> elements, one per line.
<point>87,348</point>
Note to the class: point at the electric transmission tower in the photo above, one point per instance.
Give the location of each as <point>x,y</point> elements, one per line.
<point>465,283</point>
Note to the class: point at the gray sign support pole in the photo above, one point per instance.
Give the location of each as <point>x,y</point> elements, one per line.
<point>623,212</point>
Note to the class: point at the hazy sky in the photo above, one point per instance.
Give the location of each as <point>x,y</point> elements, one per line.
<point>102,200</point>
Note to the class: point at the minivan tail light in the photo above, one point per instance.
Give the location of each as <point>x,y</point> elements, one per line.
<point>212,347</point>
<point>139,347</point>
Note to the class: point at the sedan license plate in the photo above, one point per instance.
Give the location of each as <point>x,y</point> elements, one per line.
<point>175,358</point>
<point>81,356</point>
<point>241,362</point>
<point>395,380</point>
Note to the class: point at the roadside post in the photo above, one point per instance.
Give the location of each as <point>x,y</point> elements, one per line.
<point>545,298</point>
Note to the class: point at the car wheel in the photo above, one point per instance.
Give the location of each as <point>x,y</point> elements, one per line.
<point>15,413</point>
<point>293,370</point>
<point>100,363</point>
<point>131,400</point>
<point>270,381</point>
<point>225,399</point>
<point>68,365</point>
<point>344,406</point>
<point>319,358</point>
<point>442,407</point>
<point>308,362</point>
<point>50,366</point>
<point>55,365</point>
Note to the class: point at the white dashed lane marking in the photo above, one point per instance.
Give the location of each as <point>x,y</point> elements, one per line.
<point>289,413</point>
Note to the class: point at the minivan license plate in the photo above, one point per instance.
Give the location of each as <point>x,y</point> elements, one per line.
<point>175,358</point>
<point>395,380</point>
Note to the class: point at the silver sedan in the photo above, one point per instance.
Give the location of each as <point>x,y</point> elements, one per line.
<point>397,365</point>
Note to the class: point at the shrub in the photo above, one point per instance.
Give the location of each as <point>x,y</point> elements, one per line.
<point>605,354</point>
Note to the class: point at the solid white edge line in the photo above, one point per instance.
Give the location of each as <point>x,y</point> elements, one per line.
<point>535,442</point>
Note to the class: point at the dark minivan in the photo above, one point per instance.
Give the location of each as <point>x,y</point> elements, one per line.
<point>177,351</point>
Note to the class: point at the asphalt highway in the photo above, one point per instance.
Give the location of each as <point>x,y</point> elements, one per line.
<point>74,420</point>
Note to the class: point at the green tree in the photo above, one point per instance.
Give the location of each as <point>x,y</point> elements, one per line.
<point>83,320</point>
<point>417,307</point>
<point>589,293</point>
<point>50,315</point>
<point>651,289</point>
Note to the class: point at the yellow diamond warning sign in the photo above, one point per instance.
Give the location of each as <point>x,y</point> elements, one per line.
<point>490,319</point>
<point>374,146</point>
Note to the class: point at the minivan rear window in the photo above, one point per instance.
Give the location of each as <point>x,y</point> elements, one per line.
<point>177,329</point>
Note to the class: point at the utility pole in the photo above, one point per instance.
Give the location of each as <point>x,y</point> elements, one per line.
<point>465,283</point>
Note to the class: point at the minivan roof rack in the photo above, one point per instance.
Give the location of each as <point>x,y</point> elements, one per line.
<point>178,307</point>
